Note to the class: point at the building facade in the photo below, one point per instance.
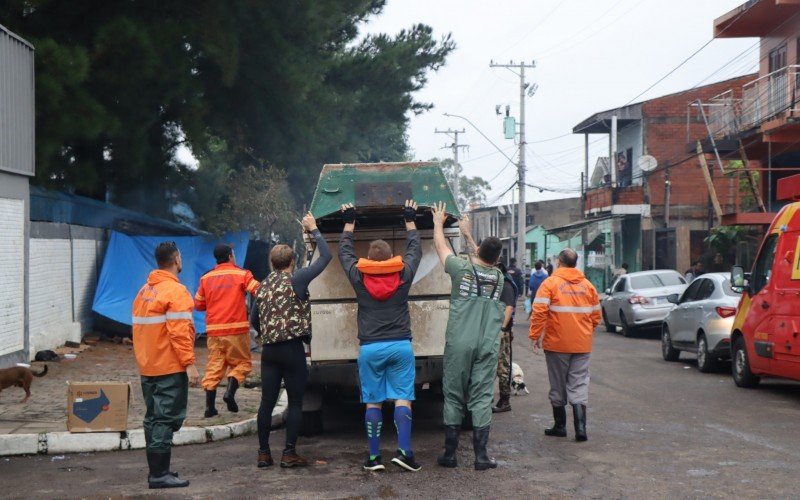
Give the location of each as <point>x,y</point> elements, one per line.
<point>16,167</point>
<point>649,205</point>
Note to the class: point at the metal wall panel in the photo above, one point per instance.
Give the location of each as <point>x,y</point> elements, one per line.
<point>17,126</point>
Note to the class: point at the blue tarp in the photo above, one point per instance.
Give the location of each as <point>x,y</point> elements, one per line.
<point>129,259</point>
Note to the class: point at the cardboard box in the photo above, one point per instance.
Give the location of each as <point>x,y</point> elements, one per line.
<point>97,406</point>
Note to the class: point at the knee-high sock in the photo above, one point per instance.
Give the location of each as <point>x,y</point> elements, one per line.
<point>402,421</point>
<point>373,418</point>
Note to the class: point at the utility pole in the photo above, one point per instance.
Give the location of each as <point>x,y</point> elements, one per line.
<point>456,166</point>
<point>522,214</point>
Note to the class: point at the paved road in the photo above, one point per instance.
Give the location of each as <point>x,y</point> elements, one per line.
<point>656,429</point>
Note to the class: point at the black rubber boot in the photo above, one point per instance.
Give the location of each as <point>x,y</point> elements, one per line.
<point>448,459</point>
<point>211,404</point>
<point>480,438</point>
<point>503,405</point>
<point>559,428</point>
<point>160,476</point>
<point>230,395</point>
<point>579,416</point>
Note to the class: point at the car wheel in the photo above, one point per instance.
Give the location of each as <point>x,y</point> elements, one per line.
<point>740,367</point>
<point>627,331</point>
<point>667,351</point>
<point>705,360</point>
<point>609,327</point>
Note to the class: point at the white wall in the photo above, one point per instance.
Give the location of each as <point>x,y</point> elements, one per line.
<point>62,281</point>
<point>12,275</point>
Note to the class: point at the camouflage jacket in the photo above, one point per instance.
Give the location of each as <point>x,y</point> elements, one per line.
<point>282,314</point>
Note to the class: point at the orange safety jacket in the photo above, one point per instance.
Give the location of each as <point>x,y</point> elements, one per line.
<point>567,310</point>
<point>221,294</point>
<point>163,328</point>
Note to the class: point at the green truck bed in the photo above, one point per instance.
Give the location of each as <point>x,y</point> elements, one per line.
<point>379,190</point>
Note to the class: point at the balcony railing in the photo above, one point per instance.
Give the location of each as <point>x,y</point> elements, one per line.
<point>768,97</point>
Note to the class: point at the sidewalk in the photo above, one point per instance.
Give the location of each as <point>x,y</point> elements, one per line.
<point>45,410</point>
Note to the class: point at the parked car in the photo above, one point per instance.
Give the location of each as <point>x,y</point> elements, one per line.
<point>640,299</point>
<point>701,321</point>
<point>765,341</point>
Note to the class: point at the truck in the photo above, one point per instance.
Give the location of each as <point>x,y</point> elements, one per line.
<point>765,337</point>
<point>378,191</point>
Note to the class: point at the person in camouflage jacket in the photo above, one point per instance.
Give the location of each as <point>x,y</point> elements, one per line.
<point>281,316</point>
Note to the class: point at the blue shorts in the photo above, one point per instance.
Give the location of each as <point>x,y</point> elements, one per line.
<point>387,371</point>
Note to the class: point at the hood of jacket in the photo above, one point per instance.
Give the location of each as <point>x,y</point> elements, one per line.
<point>159,276</point>
<point>540,273</point>
<point>381,287</point>
<point>571,274</point>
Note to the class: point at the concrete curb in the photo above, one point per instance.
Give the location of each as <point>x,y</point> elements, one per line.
<point>55,443</point>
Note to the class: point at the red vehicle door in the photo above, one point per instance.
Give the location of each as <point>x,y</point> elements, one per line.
<point>757,328</point>
<point>785,321</point>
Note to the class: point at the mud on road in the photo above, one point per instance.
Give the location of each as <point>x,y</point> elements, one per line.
<point>656,429</point>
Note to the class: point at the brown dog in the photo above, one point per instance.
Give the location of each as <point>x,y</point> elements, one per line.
<point>21,377</point>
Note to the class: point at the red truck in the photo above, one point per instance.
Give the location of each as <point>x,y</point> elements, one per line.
<point>765,337</point>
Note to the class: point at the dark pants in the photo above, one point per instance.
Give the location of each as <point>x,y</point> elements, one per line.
<point>165,397</point>
<point>282,361</point>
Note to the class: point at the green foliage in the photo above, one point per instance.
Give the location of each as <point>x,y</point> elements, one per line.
<point>121,85</point>
<point>748,200</point>
<point>471,189</point>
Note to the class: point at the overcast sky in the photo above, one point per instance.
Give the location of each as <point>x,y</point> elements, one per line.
<point>590,56</point>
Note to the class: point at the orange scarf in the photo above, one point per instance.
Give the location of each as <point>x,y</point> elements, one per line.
<point>393,265</point>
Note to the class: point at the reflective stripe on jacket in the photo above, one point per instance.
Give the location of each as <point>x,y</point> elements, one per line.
<point>163,329</point>
<point>567,310</point>
<point>221,295</point>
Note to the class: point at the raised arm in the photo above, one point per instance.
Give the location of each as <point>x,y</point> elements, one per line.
<point>303,277</point>
<point>347,252</point>
<point>465,225</point>
<point>439,241</point>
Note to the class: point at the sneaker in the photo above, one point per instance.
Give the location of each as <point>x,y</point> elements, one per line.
<point>406,461</point>
<point>292,459</point>
<point>374,464</point>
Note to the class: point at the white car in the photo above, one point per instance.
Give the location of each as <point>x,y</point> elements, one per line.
<point>640,299</point>
<point>701,321</point>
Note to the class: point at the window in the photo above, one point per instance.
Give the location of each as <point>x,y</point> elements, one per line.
<point>762,271</point>
<point>656,280</point>
<point>730,292</point>
<point>777,58</point>
<point>620,285</point>
<point>691,292</point>
<point>706,289</point>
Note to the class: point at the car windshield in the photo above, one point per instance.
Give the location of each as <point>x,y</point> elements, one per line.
<point>730,292</point>
<point>656,280</point>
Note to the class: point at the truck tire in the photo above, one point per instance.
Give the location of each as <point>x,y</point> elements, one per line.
<point>740,366</point>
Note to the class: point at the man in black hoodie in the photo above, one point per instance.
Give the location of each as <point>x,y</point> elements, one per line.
<point>386,365</point>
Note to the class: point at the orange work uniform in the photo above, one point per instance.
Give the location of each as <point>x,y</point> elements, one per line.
<point>163,329</point>
<point>221,294</point>
<point>567,309</point>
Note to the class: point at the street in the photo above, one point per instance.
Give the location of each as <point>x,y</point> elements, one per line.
<point>656,429</point>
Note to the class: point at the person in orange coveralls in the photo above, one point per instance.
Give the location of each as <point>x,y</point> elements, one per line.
<point>567,310</point>
<point>163,342</point>
<point>221,294</point>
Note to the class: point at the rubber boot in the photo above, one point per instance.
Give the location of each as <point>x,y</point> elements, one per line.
<point>211,404</point>
<point>230,395</point>
<point>160,477</point>
<point>559,428</point>
<point>480,438</point>
<point>579,416</point>
<point>448,459</point>
<point>503,405</point>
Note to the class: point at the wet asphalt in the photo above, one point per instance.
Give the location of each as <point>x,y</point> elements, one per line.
<point>656,429</point>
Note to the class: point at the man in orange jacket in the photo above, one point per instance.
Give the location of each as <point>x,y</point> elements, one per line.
<point>163,341</point>
<point>221,294</point>
<point>567,310</point>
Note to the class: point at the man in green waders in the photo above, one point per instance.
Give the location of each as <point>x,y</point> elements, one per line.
<point>472,341</point>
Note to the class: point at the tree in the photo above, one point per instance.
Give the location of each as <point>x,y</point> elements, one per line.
<point>289,85</point>
<point>472,190</point>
